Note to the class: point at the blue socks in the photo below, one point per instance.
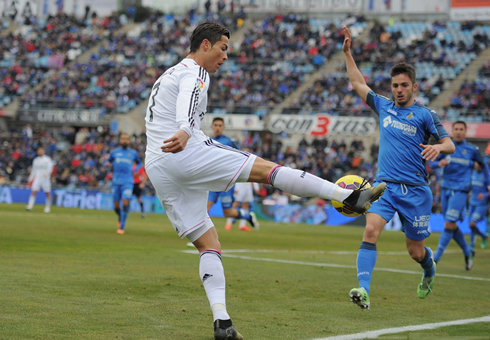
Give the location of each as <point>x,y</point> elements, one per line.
<point>427,264</point>
<point>366,259</point>
<point>124,216</point>
<point>461,241</point>
<point>118,212</point>
<point>243,215</point>
<point>474,232</point>
<point>446,237</point>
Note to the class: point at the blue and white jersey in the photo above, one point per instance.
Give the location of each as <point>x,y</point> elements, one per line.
<point>122,164</point>
<point>457,173</point>
<point>478,186</point>
<point>225,140</point>
<point>402,129</point>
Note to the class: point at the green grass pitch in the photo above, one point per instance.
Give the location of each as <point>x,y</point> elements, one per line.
<point>68,275</point>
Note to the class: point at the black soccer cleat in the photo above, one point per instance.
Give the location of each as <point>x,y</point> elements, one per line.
<point>224,330</point>
<point>361,200</point>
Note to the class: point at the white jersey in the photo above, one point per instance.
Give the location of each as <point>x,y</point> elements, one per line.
<point>178,101</point>
<point>42,167</point>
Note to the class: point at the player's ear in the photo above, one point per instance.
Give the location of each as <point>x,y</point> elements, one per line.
<point>206,45</point>
<point>415,86</point>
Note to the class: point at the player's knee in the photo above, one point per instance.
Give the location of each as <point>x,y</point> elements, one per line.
<point>229,212</point>
<point>416,254</point>
<point>371,233</point>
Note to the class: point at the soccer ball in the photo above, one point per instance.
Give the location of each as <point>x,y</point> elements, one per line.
<point>348,182</point>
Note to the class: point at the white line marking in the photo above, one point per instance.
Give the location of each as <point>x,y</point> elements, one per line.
<point>375,334</point>
<point>320,252</point>
<point>332,265</point>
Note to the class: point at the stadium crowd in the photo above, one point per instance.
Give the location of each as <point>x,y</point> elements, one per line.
<point>439,51</point>
<point>472,101</point>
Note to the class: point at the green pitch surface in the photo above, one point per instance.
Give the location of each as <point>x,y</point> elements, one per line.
<point>68,275</point>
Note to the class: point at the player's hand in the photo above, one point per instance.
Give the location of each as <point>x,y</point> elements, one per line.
<point>480,196</point>
<point>176,143</point>
<point>430,152</point>
<point>142,185</point>
<point>347,40</point>
<point>443,163</point>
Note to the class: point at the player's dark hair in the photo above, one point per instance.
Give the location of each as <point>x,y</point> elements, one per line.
<point>460,122</point>
<point>207,30</point>
<point>404,68</point>
<point>218,119</point>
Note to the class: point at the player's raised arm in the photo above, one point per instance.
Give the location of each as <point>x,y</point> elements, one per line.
<point>355,76</point>
<point>431,152</point>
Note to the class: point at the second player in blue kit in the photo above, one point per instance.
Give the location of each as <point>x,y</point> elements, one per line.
<point>405,129</point>
<point>456,184</point>
<point>122,160</point>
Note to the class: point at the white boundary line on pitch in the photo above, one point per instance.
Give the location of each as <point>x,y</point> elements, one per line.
<point>332,265</point>
<point>376,334</point>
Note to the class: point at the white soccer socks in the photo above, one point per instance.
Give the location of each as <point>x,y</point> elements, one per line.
<point>301,183</point>
<point>213,279</point>
<point>30,203</point>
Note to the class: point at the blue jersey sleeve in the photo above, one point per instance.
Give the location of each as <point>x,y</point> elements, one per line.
<point>484,166</point>
<point>136,158</point>
<point>111,157</point>
<point>375,101</point>
<point>434,126</point>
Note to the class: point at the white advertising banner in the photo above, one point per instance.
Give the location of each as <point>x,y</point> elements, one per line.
<point>323,125</point>
<point>470,10</point>
<point>235,122</point>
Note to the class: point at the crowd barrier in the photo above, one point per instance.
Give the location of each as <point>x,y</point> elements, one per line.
<point>291,213</point>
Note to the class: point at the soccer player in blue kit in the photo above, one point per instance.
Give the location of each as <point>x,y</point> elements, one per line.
<point>456,184</point>
<point>122,160</point>
<point>479,200</point>
<point>227,197</point>
<point>405,128</point>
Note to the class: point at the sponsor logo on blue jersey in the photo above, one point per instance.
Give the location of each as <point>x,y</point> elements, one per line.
<point>407,129</point>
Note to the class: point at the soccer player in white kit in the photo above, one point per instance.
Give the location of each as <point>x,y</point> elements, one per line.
<point>183,164</point>
<point>40,178</point>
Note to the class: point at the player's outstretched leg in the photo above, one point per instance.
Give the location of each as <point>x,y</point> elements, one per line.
<point>303,184</point>
<point>428,264</point>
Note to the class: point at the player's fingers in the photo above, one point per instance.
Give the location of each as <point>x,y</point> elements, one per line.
<point>423,146</point>
<point>171,139</point>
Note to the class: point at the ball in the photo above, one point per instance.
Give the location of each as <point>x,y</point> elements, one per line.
<point>353,182</point>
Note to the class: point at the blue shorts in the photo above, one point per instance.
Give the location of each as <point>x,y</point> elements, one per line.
<point>478,212</point>
<point>122,191</point>
<point>226,197</point>
<point>453,204</point>
<point>412,203</point>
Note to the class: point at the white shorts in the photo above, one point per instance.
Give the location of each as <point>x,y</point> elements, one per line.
<point>182,181</point>
<point>41,183</point>
<point>244,192</point>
